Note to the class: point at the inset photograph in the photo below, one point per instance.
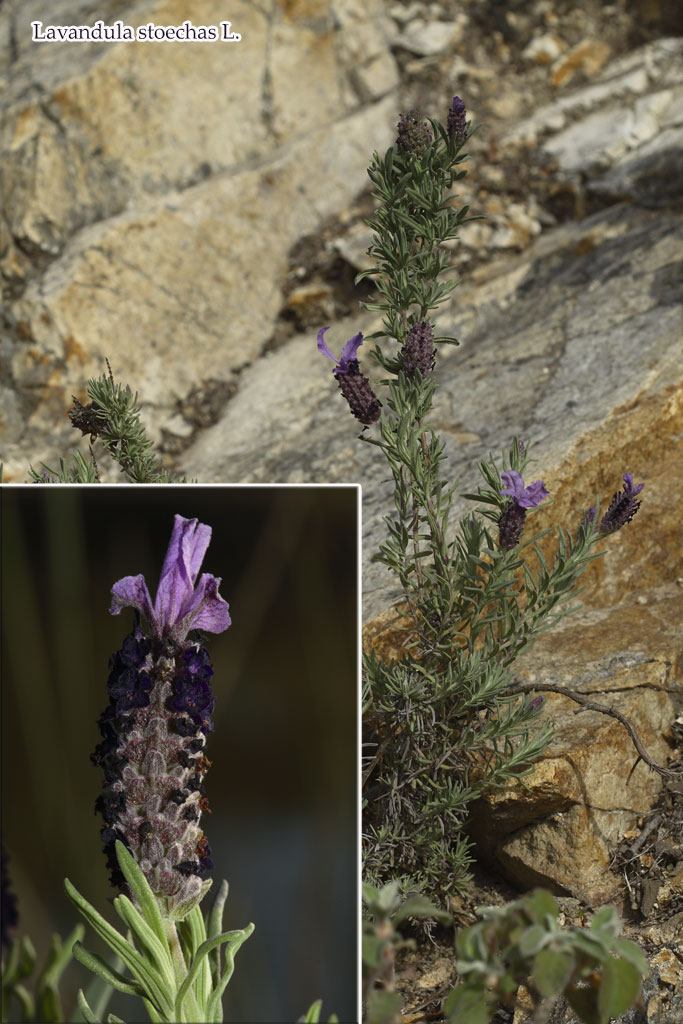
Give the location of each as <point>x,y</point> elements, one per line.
<point>180,710</point>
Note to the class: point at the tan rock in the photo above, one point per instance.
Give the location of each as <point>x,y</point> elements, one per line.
<point>588,56</point>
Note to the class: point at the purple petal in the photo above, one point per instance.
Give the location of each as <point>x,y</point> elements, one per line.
<point>184,557</point>
<point>533,495</point>
<point>203,609</point>
<point>514,485</point>
<point>525,497</point>
<point>630,489</point>
<point>322,344</point>
<point>178,606</point>
<point>132,592</point>
<point>349,352</point>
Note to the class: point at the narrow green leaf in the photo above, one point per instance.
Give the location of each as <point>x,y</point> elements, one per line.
<point>214,927</point>
<point>138,966</point>
<point>146,937</point>
<point>111,1019</point>
<point>234,940</point>
<point>95,963</point>
<point>203,985</point>
<point>99,992</point>
<point>143,894</point>
<point>48,1005</point>
<point>88,1015</point>
<point>313,1012</point>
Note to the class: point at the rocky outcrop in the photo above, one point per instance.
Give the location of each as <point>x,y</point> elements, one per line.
<point>151,194</point>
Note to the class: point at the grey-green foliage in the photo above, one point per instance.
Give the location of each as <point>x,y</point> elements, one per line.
<point>443,725</point>
<point>522,943</point>
<point>44,1002</point>
<point>177,968</point>
<point>439,723</point>
<point>112,417</point>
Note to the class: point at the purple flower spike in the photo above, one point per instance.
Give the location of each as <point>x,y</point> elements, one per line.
<point>348,355</point>
<point>155,726</point>
<point>455,123</point>
<point>525,497</point>
<point>623,506</point>
<point>511,522</point>
<point>179,606</point>
<point>355,387</point>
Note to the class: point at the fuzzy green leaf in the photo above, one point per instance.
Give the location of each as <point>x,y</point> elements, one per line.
<point>154,985</point>
<point>620,986</point>
<point>214,927</point>
<point>95,963</point>
<point>383,1007</point>
<point>88,1015</point>
<point>143,894</point>
<point>552,970</point>
<point>234,940</point>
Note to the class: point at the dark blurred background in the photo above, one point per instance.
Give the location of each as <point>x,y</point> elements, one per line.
<point>283,782</point>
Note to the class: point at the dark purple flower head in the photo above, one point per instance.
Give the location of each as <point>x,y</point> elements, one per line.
<point>355,387</point>
<point>455,123</point>
<point>419,352</point>
<point>537,702</point>
<point>512,518</point>
<point>179,605</point>
<point>525,497</point>
<point>623,506</point>
<point>414,135</point>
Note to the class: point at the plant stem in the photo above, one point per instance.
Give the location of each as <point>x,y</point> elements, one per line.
<point>180,971</point>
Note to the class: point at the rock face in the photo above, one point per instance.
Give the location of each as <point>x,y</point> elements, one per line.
<point>195,213</point>
<point>151,193</point>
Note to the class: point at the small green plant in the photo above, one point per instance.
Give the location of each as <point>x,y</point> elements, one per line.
<point>522,943</point>
<point>385,909</point>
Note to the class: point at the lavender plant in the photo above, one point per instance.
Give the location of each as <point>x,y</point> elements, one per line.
<point>153,759</point>
<point>112,417</point>
<point>443,721</point>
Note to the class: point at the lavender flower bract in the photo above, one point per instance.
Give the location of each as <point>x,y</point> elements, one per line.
<point>154,728</point>
<point>414,135</point>
<point>419,352</point>
<point>623,506</point>
<point>512,519</point>
<point>355,387</point>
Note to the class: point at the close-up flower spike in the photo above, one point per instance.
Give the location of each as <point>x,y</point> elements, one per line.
<point>160,711</point>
